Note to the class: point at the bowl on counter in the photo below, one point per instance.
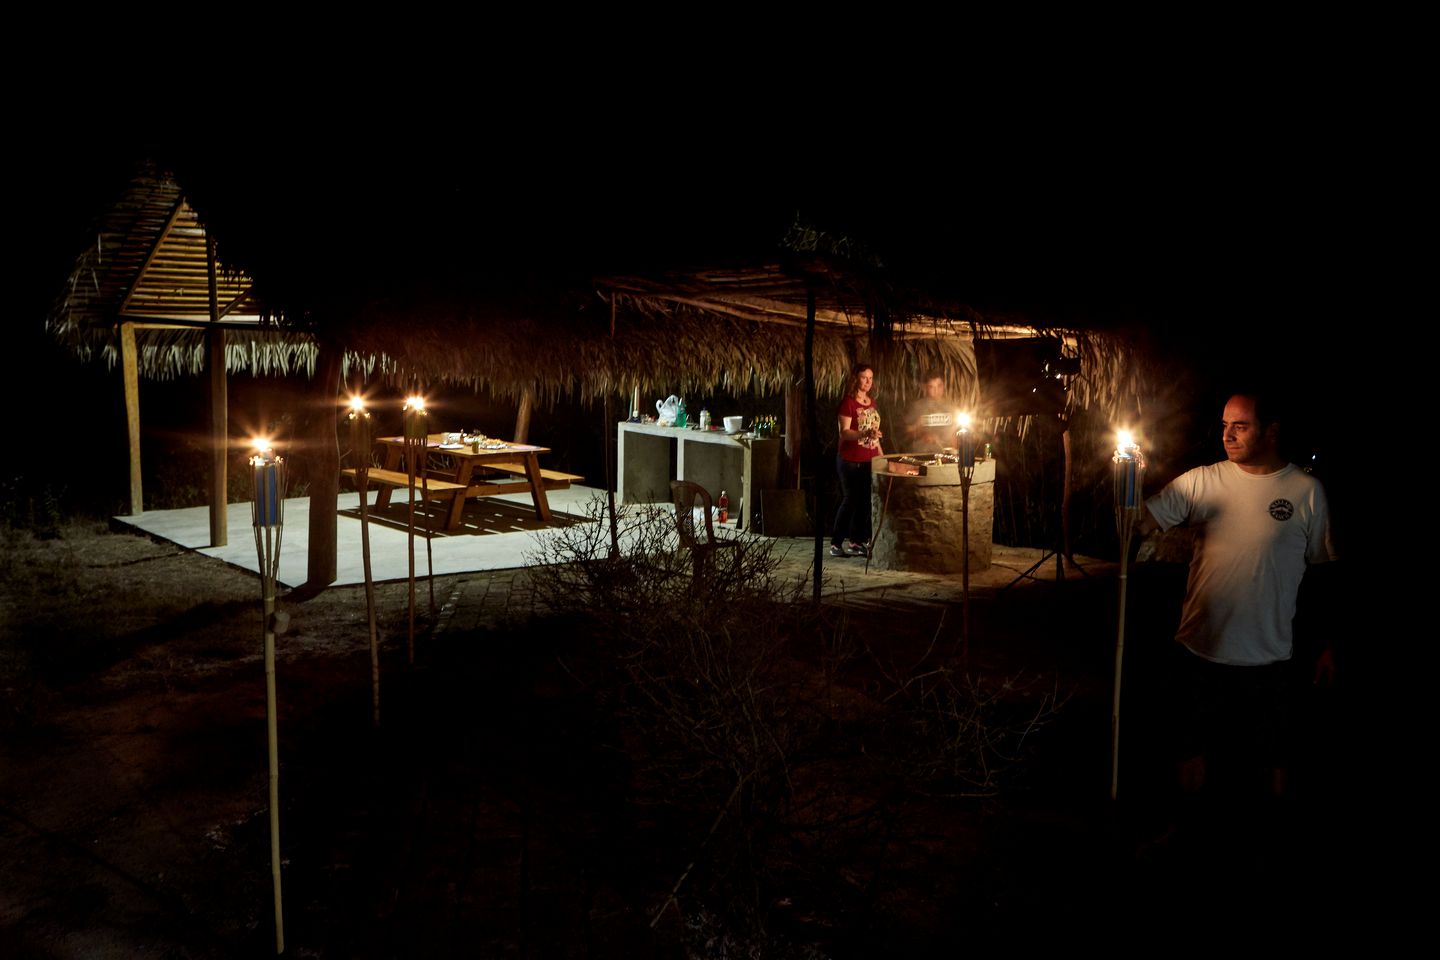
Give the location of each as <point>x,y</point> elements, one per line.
<point>734,424</point>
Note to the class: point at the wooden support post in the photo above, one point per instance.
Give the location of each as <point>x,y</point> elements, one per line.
<point>322,434</point>
<point>219,439</point>
<point>219,429</point>
<point>812,446</point>
<point>609,472</point>
<point>522,416</point>
<point>1065,496</point>
<point>130,369</point>
<point>794,432</point>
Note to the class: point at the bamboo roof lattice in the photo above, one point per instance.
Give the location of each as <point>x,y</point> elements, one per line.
<point>149,265</point>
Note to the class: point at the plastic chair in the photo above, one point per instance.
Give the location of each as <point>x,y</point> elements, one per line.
<point>702,544</point>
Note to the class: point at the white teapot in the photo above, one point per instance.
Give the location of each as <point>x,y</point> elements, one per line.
<point>666,410</point>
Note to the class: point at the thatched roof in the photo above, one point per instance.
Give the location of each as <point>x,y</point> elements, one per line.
<point>148,265</point>
<point>732,328</point>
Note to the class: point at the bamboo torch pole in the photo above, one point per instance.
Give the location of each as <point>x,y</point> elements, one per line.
<point>360,451</point>
<point>967,473</point>
<point>268,514</point>
<point>429,524</point>
<point>1129,476</point>
<point>415,432</point>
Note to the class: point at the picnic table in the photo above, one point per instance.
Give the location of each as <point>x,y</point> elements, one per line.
<point>455,472</point>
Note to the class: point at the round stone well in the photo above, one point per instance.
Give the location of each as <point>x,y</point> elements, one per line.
<point>921,529</point>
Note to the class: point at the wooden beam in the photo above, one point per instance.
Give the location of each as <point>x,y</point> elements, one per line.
<point>154,250</point>
<point>130,369</point>
<point>152,322</point>
<point>235,303</point>
<point>779,312</point>
<point>219,426</point>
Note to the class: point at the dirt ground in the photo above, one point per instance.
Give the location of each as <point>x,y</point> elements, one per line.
<point>499,810</point>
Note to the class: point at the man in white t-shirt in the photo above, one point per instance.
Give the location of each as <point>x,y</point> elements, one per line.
<point>1261,521</point>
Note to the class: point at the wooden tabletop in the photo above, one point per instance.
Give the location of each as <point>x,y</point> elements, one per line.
<point>432,442</point>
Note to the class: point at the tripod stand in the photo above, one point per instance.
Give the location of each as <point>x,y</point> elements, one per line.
<point>1061,550</point>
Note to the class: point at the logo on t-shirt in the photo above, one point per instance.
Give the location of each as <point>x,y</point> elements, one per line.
<point>1282,509</point>
<point>868,418</point>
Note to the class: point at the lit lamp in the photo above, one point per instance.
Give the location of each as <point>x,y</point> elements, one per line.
<point>359,433</point>
<point>1129,478</point>
<point>360,451</point>
<point>414,415</point>
<point>966,442</point>
<point>268,514</point>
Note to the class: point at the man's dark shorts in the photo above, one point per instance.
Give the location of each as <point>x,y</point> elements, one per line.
<point>1235,711</point>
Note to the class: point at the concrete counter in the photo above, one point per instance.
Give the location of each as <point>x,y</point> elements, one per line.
<point>650,456</point>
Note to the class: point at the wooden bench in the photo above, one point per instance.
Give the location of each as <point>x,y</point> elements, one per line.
<point>435,488</point>
<point>431,487</point>
<point>553,479</point>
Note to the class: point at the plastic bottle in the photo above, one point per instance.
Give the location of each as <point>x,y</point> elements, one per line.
<point>704,418</point>
<point>680,418</point>
<point>724,504</point>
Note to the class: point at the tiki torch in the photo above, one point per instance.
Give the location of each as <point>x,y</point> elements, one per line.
<point>360,452</point>
<point>1129,476</point>
<point>268,514</point>
<point>416,430</point>
<point>966,443</point>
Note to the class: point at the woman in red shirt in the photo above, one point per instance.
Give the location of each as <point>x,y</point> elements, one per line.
<point>859,421</point>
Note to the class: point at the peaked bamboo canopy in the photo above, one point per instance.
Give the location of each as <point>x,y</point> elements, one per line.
<point>150,265</point>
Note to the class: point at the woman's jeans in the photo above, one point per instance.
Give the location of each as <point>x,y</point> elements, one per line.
<point>852,520</point>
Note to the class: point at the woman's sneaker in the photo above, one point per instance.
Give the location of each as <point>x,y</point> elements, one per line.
<point>838,551</point>
<point>859,550</point>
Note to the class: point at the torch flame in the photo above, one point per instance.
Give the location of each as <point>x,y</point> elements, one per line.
<point>264,451</point>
